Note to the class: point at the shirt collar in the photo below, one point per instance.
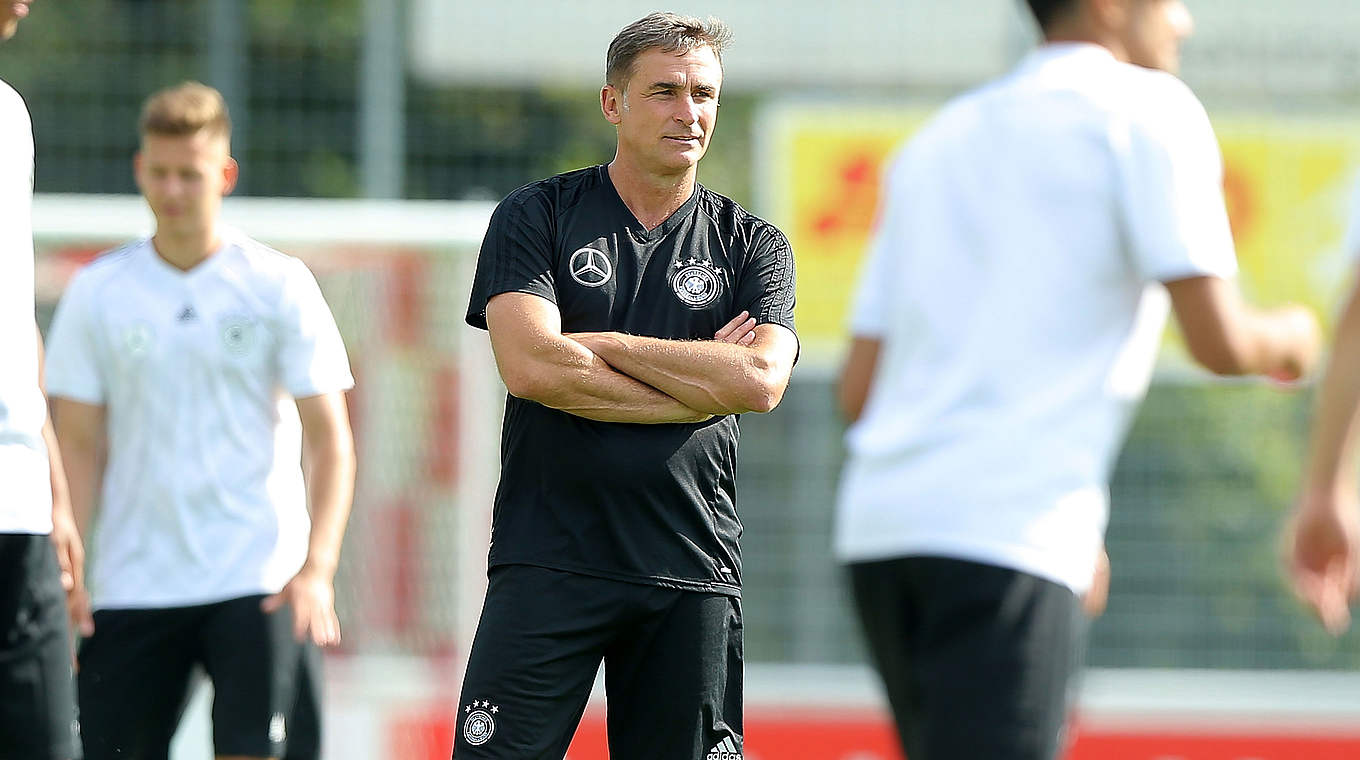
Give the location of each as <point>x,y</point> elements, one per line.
<point>1065,52</point>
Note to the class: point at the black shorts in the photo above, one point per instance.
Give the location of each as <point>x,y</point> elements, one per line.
<point>977,660</point>
<point>37,711</point>
<point>672,659</point>
<point>137,669</point>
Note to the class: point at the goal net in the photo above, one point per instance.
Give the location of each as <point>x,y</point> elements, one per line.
<point>426,409</point>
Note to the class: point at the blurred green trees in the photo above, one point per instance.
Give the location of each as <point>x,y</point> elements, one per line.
<point>85,68</point>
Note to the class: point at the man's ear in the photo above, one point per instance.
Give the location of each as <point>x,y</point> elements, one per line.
<point>230,173</point>
<point>611,104</point>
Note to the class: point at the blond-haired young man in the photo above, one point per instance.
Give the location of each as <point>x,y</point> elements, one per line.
<point>181,366</point>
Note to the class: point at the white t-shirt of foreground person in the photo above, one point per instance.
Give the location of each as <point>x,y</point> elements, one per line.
<point>27,506</point>
<point>1013,281</point>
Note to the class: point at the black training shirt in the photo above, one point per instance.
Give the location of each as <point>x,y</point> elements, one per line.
<point>644,503</point>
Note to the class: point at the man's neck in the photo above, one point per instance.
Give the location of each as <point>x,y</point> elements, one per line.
<point>652,198</point>
<point>184,252</point>
<point>1079,30</point>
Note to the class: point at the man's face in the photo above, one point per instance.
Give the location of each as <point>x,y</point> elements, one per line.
<point>183,179</point>
<point>10,13</point>
<point>668,108</point>
<point>1155,31</point>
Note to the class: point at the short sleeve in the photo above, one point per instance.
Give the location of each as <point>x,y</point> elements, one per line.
<point>874,292</point>
<point>767,285</point>
<point>312,358</point>
<point>516,254</point>
<point>72,369</point>
<point>1175,220</point>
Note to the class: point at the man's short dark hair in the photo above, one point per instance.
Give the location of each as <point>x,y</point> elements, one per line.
<point>1046,11</point>
<point>668,32</point>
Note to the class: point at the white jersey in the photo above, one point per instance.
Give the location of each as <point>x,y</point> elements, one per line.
<point>27,503</point>
<point>203,497</point>
<point>1014,284</point>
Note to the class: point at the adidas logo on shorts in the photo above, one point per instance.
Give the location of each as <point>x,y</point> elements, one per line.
<point>277,733</point>
<point>724,750</point>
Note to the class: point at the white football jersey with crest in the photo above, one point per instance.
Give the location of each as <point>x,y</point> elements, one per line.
<point>203,497</point>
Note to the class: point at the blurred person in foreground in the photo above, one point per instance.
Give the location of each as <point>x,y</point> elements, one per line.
<point>1004,333</point>
<point>1324,535</point>
<point>634,314</point>
<point>41,558</point>
<point>191,372</point>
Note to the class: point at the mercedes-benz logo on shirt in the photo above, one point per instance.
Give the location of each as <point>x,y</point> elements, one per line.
<point>590,267</point>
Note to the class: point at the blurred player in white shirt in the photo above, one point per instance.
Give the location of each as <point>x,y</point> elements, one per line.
<point>1005,332</point>
<point>190,373</point>
<point>36,708</point>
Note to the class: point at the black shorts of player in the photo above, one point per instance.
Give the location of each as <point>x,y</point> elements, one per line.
<point>672,669</point>
<point>977,660</point>
<point>37,706</point>
<point>137,669</point>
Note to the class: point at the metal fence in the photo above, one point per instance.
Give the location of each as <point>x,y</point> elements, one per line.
<point>1199,492</point>
<point>326,103</point>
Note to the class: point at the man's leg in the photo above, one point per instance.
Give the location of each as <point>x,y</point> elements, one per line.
<point>674,679</point>
<point>304,733</point>
<point>134,681</point>
<point>889,617</point>
<point>37,714</point>
<point>538,646</point>
<point>254,662</point>
<point>986,669</point>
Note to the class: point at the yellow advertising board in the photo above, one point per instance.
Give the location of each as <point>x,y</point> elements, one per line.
<point>1287,183</point>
